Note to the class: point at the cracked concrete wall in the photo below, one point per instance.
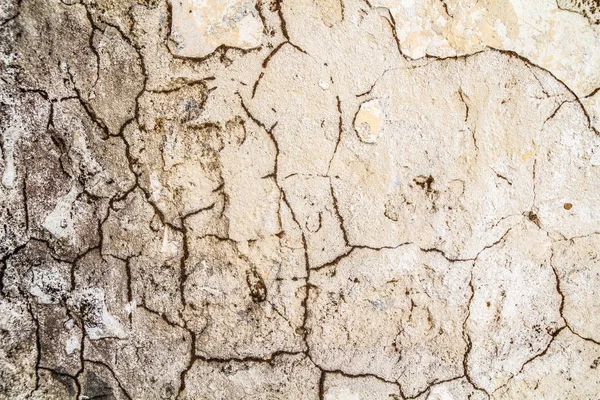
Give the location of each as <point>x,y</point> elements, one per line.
<point>299,199</point>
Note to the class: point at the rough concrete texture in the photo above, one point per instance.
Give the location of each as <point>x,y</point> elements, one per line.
<point>300,199</point>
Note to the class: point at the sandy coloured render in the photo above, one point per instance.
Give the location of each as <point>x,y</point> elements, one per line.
<point>299,199</point>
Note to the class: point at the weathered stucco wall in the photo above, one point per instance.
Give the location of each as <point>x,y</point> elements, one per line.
<point>300,199</point>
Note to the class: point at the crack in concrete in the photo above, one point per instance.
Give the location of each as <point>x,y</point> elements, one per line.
<point>260,293</point>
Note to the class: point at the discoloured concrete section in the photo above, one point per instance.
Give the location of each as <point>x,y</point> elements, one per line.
<point>284,199</point>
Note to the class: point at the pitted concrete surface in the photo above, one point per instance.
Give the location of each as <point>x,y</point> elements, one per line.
<point>299,199</point>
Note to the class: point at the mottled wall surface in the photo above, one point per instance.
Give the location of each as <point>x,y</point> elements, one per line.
<point>300,199</point>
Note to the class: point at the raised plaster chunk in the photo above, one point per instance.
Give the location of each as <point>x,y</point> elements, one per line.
<point>394,313</point>
<point>367,122</point>
<point>199,27</point>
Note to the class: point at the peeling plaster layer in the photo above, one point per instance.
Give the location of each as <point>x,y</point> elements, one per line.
<point>299,199</point>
